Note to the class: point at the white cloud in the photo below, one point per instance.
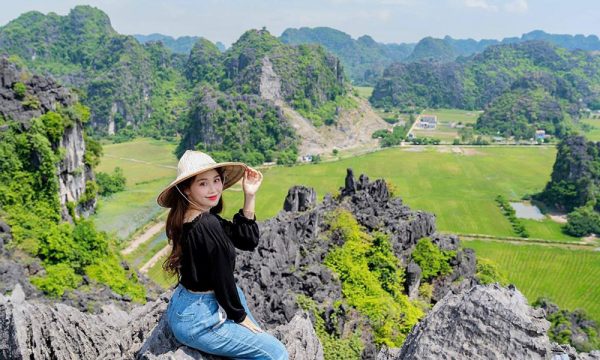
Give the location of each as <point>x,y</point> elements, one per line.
<point>516,6</point>
<point>511,6</point>
<point>482,4</point>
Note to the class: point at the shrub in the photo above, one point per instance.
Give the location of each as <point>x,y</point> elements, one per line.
<point>335,347</point>
<point>59,277</point>
<point>109,184</point>
<point>583,221</point>
<point>364,265</point>
<point>109,271</point>
<point>431,259</point>
<point>488,272</point>
<point>20,90</point>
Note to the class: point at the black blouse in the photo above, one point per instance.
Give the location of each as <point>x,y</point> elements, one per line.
<point>208,257</point>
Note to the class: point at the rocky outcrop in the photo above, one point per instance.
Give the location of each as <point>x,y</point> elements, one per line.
<point>41,95</point>
<point>300,198</point>
<point>73,173</point>
<point>40,331</point>
<point>270,82</point>
<point>483,322</point>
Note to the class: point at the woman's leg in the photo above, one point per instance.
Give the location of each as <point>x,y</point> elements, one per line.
<point>238,342</point>
<point>245,305</point>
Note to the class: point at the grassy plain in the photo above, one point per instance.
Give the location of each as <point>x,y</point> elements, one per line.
<point>458,184</point>
<point>364,91</point>
<point>569,277</point>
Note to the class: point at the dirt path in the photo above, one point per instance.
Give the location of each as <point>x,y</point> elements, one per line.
<point>140,161</point>
<point>154,229</point>
<point>163,252</point>
<point>564,245</point>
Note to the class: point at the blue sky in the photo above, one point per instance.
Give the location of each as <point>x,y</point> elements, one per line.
<point>388,21</point>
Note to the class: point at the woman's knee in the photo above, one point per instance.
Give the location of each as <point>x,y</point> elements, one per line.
<point>276,349</point>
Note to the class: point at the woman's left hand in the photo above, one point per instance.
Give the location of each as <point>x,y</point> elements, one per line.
<point>251,181</point>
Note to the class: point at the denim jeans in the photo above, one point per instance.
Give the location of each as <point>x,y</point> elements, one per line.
<point>198,321</point>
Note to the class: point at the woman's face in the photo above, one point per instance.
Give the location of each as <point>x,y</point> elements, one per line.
<point>205,190</point>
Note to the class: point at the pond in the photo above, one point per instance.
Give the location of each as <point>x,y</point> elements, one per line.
<point>527,211</point>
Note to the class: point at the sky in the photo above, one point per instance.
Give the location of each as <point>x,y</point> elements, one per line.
<point>386,21</point>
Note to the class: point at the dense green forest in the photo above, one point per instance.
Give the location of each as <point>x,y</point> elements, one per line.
<point>237,128</point>
<point>150,90</point>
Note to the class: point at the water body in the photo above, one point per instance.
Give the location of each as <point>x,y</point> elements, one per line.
<point>527,211</point>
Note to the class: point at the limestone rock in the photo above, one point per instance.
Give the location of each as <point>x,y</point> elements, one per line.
<point>483,322</point>
<point>300,198</point>
<point>41,331</point>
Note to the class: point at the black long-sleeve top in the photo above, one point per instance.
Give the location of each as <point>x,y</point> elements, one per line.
<point>208,257</point>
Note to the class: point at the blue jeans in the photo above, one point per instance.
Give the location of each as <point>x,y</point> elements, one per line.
<point>197,320</point>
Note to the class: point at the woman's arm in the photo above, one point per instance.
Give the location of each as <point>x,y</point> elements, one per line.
<point>243,232</point>
<point>250,183</point>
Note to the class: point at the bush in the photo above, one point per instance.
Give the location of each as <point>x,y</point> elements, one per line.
<point>109,271</point>
<point>583,221</point>
<point>372,280</point>
<point>20,90</point>
<point>488,272</point>
<point>431,259</point>
<point>335,346</point>
<point>110,184</point>
<point>511,215</point>
<point>59,277</point>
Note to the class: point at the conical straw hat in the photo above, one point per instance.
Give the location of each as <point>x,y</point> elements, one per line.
<point>195,162</point>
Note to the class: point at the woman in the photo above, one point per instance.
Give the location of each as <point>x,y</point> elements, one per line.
<point>208,311</point>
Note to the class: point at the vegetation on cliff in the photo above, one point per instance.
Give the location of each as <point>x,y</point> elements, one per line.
<point>575,185</point>
<point>29,199</point>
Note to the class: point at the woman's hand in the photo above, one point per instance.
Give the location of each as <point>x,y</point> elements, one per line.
<point>251,181</point>
<point>250,325</point>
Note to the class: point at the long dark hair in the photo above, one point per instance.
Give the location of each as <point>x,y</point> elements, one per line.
<point>178,205</point>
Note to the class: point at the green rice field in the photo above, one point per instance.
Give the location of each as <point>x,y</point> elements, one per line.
<point>459,188</point>
<point>569,277</point>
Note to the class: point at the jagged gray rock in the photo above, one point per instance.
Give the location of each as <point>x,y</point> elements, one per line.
<point>413,279</point>
<point>41,331</point>
<point>300,198</point>
<point>483,322</point>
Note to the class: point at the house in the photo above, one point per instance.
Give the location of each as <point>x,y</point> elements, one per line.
<point>540,134</point>
<point>427,122</point>
<point>307,158</point>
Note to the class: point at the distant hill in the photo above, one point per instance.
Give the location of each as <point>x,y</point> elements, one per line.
<point>363,58</point>
<point>521,86</point>
<point>123,82</point>
<point>180,45</point>
<point>432,49</point>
